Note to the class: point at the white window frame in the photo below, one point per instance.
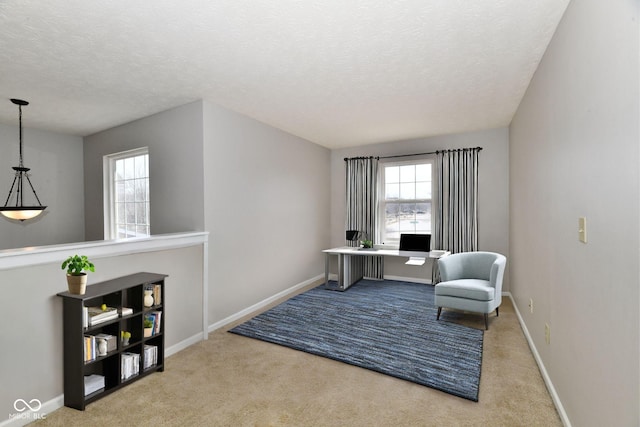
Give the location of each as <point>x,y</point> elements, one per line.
<point>393,243</point>
<point>109,190</point>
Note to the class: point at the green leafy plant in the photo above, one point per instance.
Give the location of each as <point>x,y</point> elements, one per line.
<point>148,323</point>
<point>77,265</point>
<point>367,243</point>
<point>125,334</point>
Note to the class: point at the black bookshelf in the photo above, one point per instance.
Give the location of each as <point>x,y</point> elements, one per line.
<point>126,291</point>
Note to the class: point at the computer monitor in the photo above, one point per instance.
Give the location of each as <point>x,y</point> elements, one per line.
<point>352,235</point>
<point>415,242</point>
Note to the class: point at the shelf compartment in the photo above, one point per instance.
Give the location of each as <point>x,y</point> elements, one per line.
<point>133,325</point>
<point>130,363</point>
<point>132,298</point>
<point>107,367</point>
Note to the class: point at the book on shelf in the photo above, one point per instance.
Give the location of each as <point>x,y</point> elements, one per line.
<point>155,317</point>
<point>90,350</point>
<point>150,356</point>
<point>85,317</point>
<point>94,322</point>
<point>157,294</point>
<point>99,312</point>
<point>125,311</point>
<point>156,322</point>
<point>93,383</point>
<point>97,315</point>
<point>129,365</point>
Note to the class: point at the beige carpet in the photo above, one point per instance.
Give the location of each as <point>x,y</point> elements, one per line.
<point>231,380</point>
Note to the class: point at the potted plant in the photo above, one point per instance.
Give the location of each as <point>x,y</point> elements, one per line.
<point>77,266</point>
<point>126,335</point>
<point>148,327</point>
<point>367,244</point>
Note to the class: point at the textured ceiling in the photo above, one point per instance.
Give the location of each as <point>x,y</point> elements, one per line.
<point>336,72</point>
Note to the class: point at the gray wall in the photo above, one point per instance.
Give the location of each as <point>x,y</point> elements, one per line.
<point>262,194</point>
<point>56,173</point>
<point>493,189</point>
<point>266,208</point>
<point>174,138</point>
<point>575,152</point>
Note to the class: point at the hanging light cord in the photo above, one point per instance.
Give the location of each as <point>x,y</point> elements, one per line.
<point>20,120</point>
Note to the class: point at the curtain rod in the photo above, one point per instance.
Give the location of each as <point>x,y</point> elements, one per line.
<point>415,154</point>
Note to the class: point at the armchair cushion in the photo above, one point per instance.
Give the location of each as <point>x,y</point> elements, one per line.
<point>475,289</point>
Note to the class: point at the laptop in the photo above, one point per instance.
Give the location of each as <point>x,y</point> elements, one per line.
<point>415,242</point>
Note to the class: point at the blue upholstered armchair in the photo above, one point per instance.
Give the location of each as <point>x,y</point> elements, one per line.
<point>471,281</point>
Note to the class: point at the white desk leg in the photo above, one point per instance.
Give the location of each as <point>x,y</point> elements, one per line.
<point>341,271</point>
<point>349,271</point>
<point>339,286</point>
<point>326,270</point>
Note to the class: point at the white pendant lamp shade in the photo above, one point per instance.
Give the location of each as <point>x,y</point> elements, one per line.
<point>22,213</point>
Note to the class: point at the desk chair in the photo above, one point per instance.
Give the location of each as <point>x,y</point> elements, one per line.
<point>471,281</point>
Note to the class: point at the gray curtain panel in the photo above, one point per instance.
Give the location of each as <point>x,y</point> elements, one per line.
<point>362,193</point>
<point>456,200</point>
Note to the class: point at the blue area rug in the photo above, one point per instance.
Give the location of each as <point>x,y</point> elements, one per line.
<point>386,326</point>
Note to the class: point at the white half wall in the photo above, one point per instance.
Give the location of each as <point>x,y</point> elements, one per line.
<point>574,152</point>
<point>57,176</point>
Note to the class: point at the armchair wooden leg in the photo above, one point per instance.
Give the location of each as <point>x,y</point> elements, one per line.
<point>486,321</point>
<point>497,311</point>
<point>439,311</point>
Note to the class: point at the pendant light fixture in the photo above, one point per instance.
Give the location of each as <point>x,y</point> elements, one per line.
<point>14,207</point>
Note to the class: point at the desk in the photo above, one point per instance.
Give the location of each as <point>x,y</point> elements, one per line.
<point>350,270</point>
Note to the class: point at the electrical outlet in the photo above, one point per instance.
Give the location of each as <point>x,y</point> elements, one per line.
<point>582,229</point>
<point>547,333</point>
<point>531,305</point>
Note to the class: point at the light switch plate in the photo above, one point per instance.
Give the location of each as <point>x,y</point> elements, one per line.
<point>547,333</point>
<point>582,229</point>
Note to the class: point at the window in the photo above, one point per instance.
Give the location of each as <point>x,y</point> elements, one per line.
<point>405,202</point>
<point>127,194</point>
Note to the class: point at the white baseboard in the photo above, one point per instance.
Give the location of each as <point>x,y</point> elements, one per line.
<point>170,351</point>
<point>389,277</point>
<point>222,323</point>
<point>545,376</point>
<point>408,279</point>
